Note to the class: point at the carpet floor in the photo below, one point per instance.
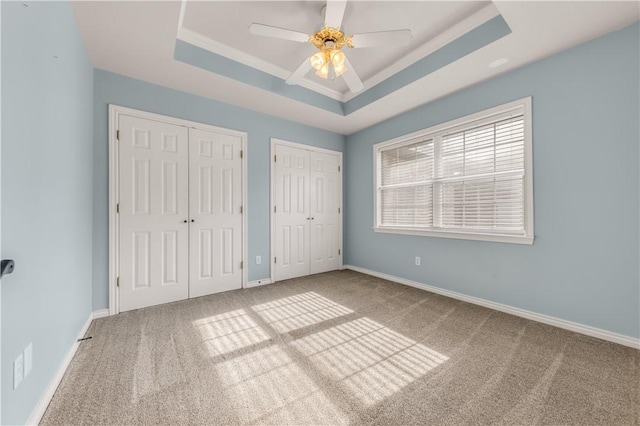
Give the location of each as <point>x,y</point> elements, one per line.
<point>341,348</point>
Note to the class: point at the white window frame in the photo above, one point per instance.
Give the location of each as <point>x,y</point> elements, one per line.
<point>519,106</point>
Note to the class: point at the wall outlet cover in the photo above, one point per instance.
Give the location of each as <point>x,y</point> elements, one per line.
<point>258,260</point>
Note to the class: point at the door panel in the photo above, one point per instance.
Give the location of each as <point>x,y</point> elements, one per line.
<point>215,189</point>
<point>153,179</point>
<point>292,212</point>
<point>325,216</point>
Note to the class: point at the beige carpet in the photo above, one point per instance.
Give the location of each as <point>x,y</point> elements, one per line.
<point>341,348</point>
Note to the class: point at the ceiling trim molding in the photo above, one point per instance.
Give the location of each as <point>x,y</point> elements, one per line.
<point>221,49</point>
<point>459,29</point>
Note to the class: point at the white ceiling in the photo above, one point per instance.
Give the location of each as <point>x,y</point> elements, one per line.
<point>137,39</point>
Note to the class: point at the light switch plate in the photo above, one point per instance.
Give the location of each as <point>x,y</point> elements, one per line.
<point>28,359</point>
<point>18,371</point>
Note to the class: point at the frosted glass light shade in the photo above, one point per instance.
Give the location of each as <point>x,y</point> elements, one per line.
<point>339,69</point>
<point>337,58</point>
<point>323,71</point>
<point>317,60</point>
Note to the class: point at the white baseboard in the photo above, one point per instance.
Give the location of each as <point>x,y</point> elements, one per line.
<point>100,314</point>
<point>546,319</point>
<point>258,283</point>
<point>43,403</point>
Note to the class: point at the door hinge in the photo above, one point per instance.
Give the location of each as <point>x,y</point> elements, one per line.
<point>338,168</point>
<point>241,264</point>
<point>338,252</point>
<point>240,209</point>
<point>118,208</point>
<point>275,260</point>
<point>241,153</point>
<point>274,209</point>
<point>118,282</point>
<point>338,209</point>
<point>274,158</point>
<point>117,135</point>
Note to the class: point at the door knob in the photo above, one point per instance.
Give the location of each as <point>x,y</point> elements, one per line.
<point>184,221</point>
<point>192,220</point>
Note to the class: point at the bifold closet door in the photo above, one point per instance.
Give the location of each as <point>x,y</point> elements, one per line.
<point>307,212</point>
<point>215,204</point>
<point>153,212</point>
<point>292,212</point>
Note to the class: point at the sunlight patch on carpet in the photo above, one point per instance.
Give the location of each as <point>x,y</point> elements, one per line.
<point>371,360</point>
<point>230,331</point>
<point>299,311</point>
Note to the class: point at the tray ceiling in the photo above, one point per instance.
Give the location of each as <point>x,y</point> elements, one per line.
<point>227,23</point>
<point>141,40</point>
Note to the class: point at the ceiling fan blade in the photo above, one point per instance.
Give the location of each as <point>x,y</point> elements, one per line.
<point>275,32</point>
<point>300,72</point>
<point>351,78</point>
<point>381,38</point>
<point>334,12</point>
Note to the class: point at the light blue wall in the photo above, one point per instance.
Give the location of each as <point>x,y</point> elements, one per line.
<point>0,213</point>
<point>583,266</point>
<point>46,193</point>
<point>112,88</point>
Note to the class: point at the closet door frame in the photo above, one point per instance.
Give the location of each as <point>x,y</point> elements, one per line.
<point>114,255</point>
<point>272,200</point>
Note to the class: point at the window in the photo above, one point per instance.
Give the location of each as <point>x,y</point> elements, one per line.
<point>470,178</point>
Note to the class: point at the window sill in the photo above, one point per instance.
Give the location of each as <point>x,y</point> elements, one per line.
<point>513,239</point>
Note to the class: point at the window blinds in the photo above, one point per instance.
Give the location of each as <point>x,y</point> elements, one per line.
<point>483,177</point>
<point>407,185</point>
<point>468,179</point>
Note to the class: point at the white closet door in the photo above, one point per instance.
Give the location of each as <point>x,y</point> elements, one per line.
<point>153,181</point>
<point>325,241</point>
<point>215,201</point>
<point>292,212</point>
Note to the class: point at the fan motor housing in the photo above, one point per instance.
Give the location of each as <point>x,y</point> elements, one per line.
<point>330,38</point>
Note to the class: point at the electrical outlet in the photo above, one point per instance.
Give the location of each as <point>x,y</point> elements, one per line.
<point>28,359</point>
<point>18,371</point>
<point>258,260</point>
<point>417,260</point>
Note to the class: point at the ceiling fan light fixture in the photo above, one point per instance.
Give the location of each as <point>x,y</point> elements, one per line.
<point>329,41</point>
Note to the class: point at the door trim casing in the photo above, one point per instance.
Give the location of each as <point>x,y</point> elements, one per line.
<point>272,192</point>
<point>114,114</point>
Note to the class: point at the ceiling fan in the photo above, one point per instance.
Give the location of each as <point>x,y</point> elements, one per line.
<point>329,41</point>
